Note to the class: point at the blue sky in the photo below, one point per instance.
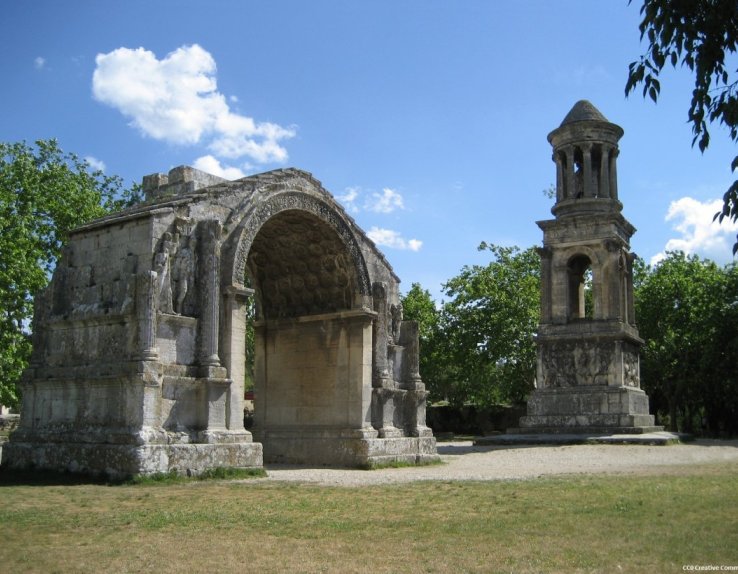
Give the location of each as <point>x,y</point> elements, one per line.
<point>427,119</point>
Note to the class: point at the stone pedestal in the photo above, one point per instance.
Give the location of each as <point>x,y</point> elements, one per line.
<point>588,409</point>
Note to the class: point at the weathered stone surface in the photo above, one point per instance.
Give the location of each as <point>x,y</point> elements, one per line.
<point>139,341</point>
<point>588,377</point>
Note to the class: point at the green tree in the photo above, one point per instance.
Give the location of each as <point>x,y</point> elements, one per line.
<point>720,395</point>
<point>686,311</point>
<point>696,34</point>
<point>488,327</point>
<point>44,193</point>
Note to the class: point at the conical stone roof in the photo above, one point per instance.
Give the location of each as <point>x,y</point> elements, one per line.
<point>583,111</point>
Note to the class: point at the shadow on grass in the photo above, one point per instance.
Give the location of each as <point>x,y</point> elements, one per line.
<point>470,447</point>
<point>44,477</point>
<point>37,477</point>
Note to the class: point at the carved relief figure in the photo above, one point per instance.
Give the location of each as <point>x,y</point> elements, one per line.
<point>630,369</point>
<point>183,273</point>
<point>162,266</point>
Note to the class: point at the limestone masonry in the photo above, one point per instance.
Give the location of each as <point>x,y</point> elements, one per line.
<point>139,340</point>
<point>588,377</point>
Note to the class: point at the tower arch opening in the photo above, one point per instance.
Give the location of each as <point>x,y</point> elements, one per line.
<point>579,275</point>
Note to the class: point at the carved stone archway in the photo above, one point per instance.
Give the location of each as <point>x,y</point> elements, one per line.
<point>139,340</point>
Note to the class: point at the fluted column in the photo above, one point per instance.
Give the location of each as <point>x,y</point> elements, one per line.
<point>211,294</point>
<point>147,297</point>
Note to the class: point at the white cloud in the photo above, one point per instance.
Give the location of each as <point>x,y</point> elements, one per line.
<point>175,99</point>
<point>393,239</point>
<point>211,165</point>
<point>95,164</point>
<point>39,62</point>
<point>348,199</point>
<point>385,202</point>
<point>699,233</point>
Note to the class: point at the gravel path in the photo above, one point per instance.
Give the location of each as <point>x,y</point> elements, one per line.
<point>464,461</point>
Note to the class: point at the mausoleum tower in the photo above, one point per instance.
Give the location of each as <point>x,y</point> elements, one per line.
<point>588,366</point>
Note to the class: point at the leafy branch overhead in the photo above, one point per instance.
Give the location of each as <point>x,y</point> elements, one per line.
<point>698,34</point>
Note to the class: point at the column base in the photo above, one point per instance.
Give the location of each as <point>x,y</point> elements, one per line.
<point>123,460</point>
<point>332,447</point>
<point>587,409</point>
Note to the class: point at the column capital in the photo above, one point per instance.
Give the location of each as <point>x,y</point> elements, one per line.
<point>238,292</point>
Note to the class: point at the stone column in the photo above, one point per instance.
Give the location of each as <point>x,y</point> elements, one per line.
<point>233,350</point>
<point>570,191</point>
<point>614,173</point>
<point>149,368</point>
<point>604,173</point>
<point>210,297</point>
<point>411,355</point>
<point>545,254</point>
<point>146,302</point>
<point>559,177</point>
<point>631,318</point>
<point>587,187</point>
<point>381,377</point>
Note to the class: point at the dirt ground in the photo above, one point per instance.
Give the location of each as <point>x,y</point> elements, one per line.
<point>464,461</point>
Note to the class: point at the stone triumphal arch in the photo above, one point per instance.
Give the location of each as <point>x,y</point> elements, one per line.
<point>139,341</point>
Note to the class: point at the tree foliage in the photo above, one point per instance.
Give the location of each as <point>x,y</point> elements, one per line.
<point>44,193</point>
<point>479,346</point>
<point>698,34</point>
<point>687,312</point>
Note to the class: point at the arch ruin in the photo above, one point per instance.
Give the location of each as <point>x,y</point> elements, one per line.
<point>139,358</point>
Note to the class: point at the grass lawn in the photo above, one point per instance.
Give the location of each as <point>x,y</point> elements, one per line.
<point>574,524</point>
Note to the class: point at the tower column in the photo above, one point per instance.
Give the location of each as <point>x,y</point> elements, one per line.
<point>559,177</point>
<point>570,190</point>
<point>604,191</point>
<point>587,186</point>
<point>614,152</point>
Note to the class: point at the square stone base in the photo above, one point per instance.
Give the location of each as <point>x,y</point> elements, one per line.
<point>337,448</point>
<point>587,409</point>
<point>121,460</point>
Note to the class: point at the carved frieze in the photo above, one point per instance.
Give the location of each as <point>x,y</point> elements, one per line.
<point>569,364</point>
